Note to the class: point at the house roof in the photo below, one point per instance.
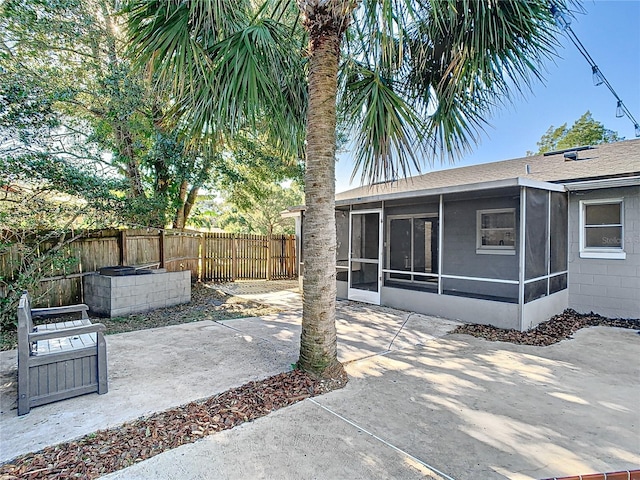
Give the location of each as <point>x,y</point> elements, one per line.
<point>612,160</point>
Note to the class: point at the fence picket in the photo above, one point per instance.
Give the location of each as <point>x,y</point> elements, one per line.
<point>220,257</point>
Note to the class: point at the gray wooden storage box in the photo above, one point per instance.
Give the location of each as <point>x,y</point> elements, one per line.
<point>58,360</point>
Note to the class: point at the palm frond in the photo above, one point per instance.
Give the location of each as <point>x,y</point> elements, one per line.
<point>476,55</point>
<point>388,130</point>
<point>450,63</point>
<point>164,39</point>
<point>229,64</point>
<point>254,73</point>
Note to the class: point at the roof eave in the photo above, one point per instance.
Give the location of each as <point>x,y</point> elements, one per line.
<point>471,187</point>
<point>598,184</point>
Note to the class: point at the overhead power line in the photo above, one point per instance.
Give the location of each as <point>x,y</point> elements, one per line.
<point>564,23</point>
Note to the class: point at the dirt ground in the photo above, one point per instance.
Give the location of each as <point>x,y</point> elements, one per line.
<point>208,302</point>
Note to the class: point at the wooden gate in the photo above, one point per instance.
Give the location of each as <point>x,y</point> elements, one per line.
<point>228,257</point>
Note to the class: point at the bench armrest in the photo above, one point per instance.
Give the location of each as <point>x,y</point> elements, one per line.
<point>66,332</point>
<point>81,307</point>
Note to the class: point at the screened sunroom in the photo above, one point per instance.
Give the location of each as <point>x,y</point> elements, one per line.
<point>492,252</point>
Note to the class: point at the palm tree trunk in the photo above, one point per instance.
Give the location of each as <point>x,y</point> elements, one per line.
<point>318,349</point>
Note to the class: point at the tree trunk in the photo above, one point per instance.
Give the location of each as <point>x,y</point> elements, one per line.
<point>191,201</point>
<point>318,344</point>
<point>124,140</point>
<point>125,149</point>
<point>179,217</point>
<point>185,210</point>
<point>187,201</point>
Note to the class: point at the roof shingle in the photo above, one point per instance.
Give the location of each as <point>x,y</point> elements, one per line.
<point>617,159</point>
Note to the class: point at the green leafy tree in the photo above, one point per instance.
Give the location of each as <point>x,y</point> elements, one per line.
<point>584,131</point>
<point>39,219</point>
<point>260,214</point>
<point>68,95</point>
<point>82,141</point>
<point>411,79</point>
<point>256,182</point>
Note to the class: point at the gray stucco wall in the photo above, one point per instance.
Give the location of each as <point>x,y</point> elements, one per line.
<point>610,287</point>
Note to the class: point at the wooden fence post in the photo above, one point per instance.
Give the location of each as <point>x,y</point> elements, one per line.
<point>234,259</point>
<point>268,257</point>
<point>201,255</point>
<point>161,248</point>
<point>123,247</point>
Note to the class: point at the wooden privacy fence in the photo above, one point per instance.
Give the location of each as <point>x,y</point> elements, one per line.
<point>209,257</point>
<point>230,257</point>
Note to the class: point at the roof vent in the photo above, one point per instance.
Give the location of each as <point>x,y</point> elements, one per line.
<point>572,149</point>
<point>570,156</point>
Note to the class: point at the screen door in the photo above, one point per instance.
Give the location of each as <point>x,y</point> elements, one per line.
<point>365,274</point>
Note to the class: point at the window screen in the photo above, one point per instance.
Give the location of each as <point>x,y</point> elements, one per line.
<point>400,247</point>
<point>536,236</point>
<point>557,283</point>
<point>365,235</point>
<point>535,290</point>
<point>342,245</point>
<point>558,225</point>
<point>413,248</point>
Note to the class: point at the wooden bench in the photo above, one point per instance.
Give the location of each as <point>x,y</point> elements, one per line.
<point>58,360</point>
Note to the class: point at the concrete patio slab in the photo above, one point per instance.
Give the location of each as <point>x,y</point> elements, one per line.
<point>284,294</point>
<point>455,408</point>
<point>149,371</point>
<point>483,410</point>
<point>154,370</point>
<point>420,403</point>
<point>363,330</point>
<point>284,446</point>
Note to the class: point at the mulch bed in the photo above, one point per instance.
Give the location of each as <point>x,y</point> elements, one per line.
<point>558,328</point>
<point>109,450</point>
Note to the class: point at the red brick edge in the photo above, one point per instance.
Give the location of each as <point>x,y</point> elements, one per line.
<point>622,475</point>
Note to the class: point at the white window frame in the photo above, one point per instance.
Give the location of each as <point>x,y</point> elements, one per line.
<point>495,249</point>
<point>616,253</point>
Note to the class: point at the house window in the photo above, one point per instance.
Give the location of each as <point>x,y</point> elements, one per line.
<point>602,229</point>
<point>496,231</point>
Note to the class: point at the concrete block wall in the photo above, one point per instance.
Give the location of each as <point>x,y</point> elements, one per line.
<point>118,296</point>
<point>609,287</point>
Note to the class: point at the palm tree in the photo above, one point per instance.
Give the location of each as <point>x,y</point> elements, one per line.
<point>407,80</point>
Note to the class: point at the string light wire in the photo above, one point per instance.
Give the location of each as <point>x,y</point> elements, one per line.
<point>565,25</point>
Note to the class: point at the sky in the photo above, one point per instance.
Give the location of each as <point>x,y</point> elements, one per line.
<point>610,32</point>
